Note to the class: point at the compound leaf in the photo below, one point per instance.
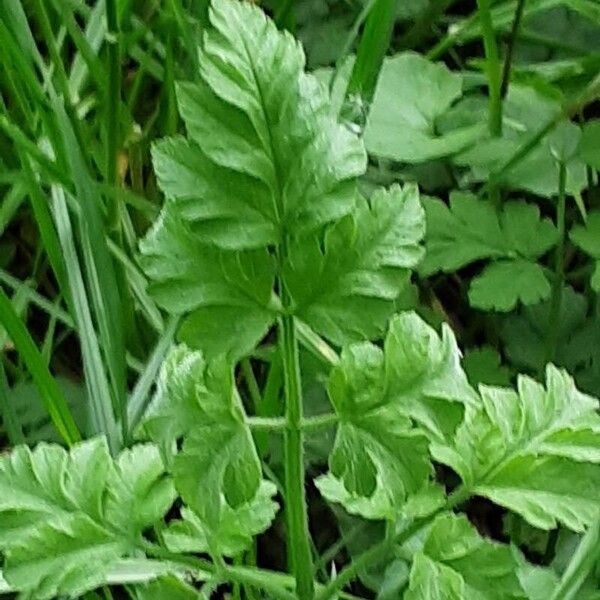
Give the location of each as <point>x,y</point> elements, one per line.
<point>67,517</point>
<point>503,284</point>
<point>456,562</point>
<point>470,229</point>
<point>534,452</point>
<point>379,457</point>
<point>362,269</point>
<point>232,534</point>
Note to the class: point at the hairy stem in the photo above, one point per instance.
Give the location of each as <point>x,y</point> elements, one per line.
<point>559,274</point>
<point>299,550</point>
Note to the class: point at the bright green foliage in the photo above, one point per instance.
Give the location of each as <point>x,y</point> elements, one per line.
<point>364,263</point>
<point>266,166</point>
<point>411,94</point>
<point>218,470</point>
<point>456,562</point>
<point>534,452</point>
<point>587,237</point>
<point>166,587</point>
<point>470,229</point>
<point>233,532</point>
<point>589,150</point>
<point>67,517</point>
<point>379,457</point>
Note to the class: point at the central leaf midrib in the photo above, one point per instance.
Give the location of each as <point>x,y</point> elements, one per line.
<point>278,199</point>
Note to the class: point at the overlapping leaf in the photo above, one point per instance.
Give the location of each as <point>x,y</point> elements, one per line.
<point>526,110</point>
<point>232,534</point>
<point>380,458</point>
<point>411,94</point>
<point>217,472</point>
<point>212,287</point>
<point>67,517</point>
<point>535,452</point>
<point>455,562</point>
<point>470,229</point>
<point>362,269</point>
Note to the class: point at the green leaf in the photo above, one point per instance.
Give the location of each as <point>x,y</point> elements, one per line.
<point>589,150</point>
<point>411,94</point>
<point>433,581</point>
<point>534,452</point>
<point>264,187</point>
<point>67,517</point>
<point>212,287</point>
<point>379,458</point>
<point>184,382</point>
<point>470,229</point>
<point>525,334</point>
<point>362,269</point>
<point>503,284</point>
<point>484,365</point>
<point>456,562</point>
<point>218,465</point>
<point>587,237</point>
<point>232,534</point>
<point>218,472</point>
<point>168,586</point>
<point>273,122</point>
<point>525,111</point>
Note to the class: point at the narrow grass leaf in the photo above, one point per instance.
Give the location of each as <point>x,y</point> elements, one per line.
<point>54,401</point>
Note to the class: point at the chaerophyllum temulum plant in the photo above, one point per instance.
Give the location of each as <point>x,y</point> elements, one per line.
<point>265,234</point>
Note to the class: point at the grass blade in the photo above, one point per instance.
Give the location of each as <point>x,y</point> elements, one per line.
<point>99,273</point>
<point>139,396</point>
<point>372,49</point>
<point>96,380</point>
<point>50,393</point>
<point>10,420</point>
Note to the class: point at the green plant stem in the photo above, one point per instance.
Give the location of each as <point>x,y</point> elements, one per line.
<point>571,108</point>
<point>559,270</point>
<point>299,550</point>
<point>259,578</point>
<point>319,422</point>
<point>113,104</point>
<point>514,32</point>
<point>280,424</point>
<point>251,384</point>
<point>493,67</point>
